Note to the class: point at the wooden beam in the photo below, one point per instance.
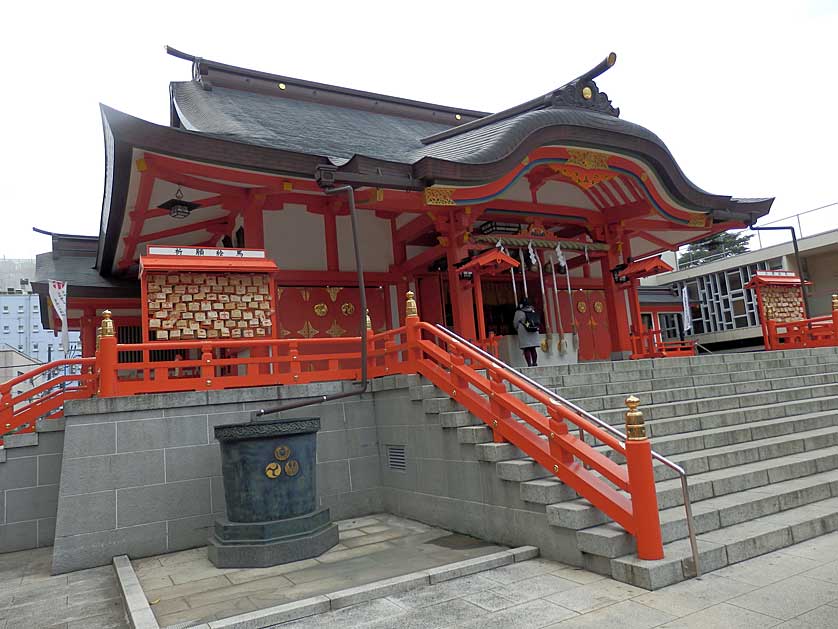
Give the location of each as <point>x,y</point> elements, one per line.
<point>208,225</point>
<point>660,242</point>
<point>414,229</point>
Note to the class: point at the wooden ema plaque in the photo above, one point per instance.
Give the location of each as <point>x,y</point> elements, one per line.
<point>782,303</point>
<point>195,297</point>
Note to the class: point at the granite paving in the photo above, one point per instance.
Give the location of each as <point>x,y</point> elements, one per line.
<point>30,597</point>
<point>184,587</point>
<point>793,588</point>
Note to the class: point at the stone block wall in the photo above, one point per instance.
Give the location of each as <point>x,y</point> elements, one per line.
<point>141,475</point>
<point>444,484</point>
<point>30,466</point>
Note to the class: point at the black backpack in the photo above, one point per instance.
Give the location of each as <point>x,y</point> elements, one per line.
<point>532,322</point>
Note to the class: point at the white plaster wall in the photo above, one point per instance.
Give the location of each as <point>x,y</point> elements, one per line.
<point>296,239</point>
<point>375,238</point>
<point>404,218</point>
<point>823,273</point>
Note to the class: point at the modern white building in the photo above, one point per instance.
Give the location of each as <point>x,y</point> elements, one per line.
<point>724,312</point>
<point>21,328</point>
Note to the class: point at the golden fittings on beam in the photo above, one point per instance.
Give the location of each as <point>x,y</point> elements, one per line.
<point>410,309</point>
<point>369,321</point>
<point>835,302</point>
<point>635,423</point>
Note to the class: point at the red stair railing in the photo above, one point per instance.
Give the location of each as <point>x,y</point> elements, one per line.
<point>19,412</point>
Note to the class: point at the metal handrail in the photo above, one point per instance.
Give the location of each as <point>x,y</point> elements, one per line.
<point>606,426</point>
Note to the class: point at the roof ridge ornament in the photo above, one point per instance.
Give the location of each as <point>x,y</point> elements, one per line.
<point>584,92</point>
<point>580,93</point>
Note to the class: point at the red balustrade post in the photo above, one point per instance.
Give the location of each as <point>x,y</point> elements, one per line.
<point>413,334</point>
<point>7,411</point>
<point>500,414</point>
<point>835,320</point>
<point>644,498</point>
<point>207,369</point>
<point>106,357</point>
<point>295,367</point>
<point>558,427</point>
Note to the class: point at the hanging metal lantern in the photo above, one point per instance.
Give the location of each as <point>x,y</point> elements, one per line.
<point>178,208</point>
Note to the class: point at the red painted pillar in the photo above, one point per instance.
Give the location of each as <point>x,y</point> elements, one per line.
<point>462,302</point>
<point>615,301</point>
<point>88,334</point>
<point>478,301</point>
<point>644,498</point>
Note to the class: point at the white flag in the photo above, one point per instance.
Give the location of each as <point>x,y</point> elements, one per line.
<point>58,297</point>
<point>688,320</point>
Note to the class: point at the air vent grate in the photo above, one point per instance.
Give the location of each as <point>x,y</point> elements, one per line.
<point>396,459</point>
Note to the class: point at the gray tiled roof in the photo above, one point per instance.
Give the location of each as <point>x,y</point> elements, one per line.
<point>341,132</point>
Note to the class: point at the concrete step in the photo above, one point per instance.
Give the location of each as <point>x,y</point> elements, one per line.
<point>458,419</point>
<point>579,513</point>
<point>742,453</point>
<point>546,491</point>
<point>521,470</point>
<point>728,545</point>
<point>474,434</point>
<point>724,403</point>
<point>611,540</point>
<point>495,452</point>
<point>691,392</point>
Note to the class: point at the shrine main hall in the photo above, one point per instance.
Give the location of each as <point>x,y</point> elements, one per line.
<point>557,199</point>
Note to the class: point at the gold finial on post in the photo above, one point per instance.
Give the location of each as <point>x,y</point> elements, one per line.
<point>369,321</point>
<point>835,302</point>
<point>410,307</point>
<point>107,328</point>
<point>635,423</point>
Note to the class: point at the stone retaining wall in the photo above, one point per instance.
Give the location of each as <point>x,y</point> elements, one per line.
<point>141,475</point>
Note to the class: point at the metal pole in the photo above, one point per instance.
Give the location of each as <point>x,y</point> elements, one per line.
<point>796,262</point>
<point>350,193</point>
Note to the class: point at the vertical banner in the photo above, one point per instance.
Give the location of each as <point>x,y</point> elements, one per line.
<point>58,297</point>
<point>688,320</point>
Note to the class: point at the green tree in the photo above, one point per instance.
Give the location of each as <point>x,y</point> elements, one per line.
<point>721,245</point>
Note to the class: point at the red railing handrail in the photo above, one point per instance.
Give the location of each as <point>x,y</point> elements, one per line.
<point>55,364</point>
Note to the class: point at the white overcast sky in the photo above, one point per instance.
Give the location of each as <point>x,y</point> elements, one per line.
<point>745,94</point>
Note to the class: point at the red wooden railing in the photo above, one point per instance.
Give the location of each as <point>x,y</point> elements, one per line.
<point>19,411</point>
<point>478,382</point>
<point>651,344</point>
<point>814,332</point>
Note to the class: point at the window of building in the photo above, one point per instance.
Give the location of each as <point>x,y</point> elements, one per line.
<point>35,307</point>
<point>20,308</point>
<point>5,329</point>
<point>20,328</point>
<point>35,327</point>
<point>34,347</point>
<point>5,310</point>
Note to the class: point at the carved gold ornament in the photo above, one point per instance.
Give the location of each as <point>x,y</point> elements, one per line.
<point>598,306</point>
<point>587,159</point>
<point>439,195</point>
<point>306,293</point>
<point>279,294</point>
<point>273,470</point>
<point>335,330</point>
<point>321,309</point>
<point>333,292</point>
<point>581,307</point>
<point>282,452</point>
<point>347,309</point>
<point>582,177</point>
<point>292,468</point>
<point>698,220</point>
<point>283,332</point>
<point>308,330</point>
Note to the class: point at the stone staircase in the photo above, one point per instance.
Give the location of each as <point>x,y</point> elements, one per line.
<point>756,432</point>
